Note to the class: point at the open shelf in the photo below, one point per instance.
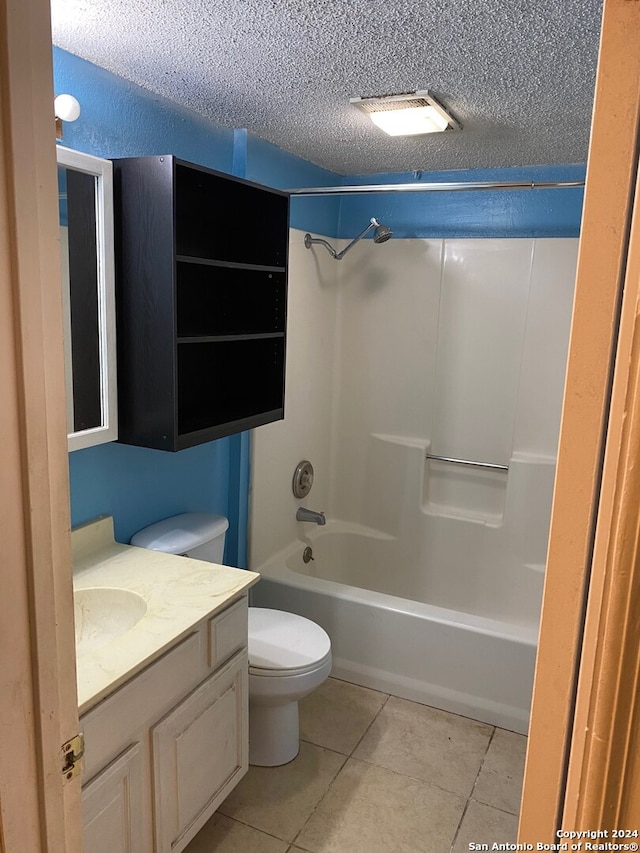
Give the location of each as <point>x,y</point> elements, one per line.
<point>213,379</point>
<point>201,302</point>
<point>228,219</point>
<point>218,300</point>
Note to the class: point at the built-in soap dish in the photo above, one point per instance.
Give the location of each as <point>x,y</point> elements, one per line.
<point>475,494</point>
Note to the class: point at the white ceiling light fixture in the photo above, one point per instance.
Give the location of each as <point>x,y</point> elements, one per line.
<point>408,113</point>
<point>65,108</point>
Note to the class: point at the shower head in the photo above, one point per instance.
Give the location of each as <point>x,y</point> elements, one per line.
<point>380,235</point>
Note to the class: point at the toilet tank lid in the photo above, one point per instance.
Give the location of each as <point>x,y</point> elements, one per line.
<point>181,533</point>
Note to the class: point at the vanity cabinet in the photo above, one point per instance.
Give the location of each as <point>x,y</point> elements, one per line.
<point>164,750</point>
<point>201,287</point>
<point>113,808</point>
<point>197,750</point>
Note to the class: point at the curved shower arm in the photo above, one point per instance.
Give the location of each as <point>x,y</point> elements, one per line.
<point>338,256</point>
<point>309,241</point>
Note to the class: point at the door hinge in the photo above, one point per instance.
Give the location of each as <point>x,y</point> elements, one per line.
<point>71,754</point>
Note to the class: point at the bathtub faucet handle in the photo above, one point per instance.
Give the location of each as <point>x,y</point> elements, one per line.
<point>310,515</point>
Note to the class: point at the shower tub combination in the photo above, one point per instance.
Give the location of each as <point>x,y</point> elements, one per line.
<point>428,575</point>
<point>441,607</point>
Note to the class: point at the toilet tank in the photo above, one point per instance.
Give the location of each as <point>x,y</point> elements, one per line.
<point>192,534</point>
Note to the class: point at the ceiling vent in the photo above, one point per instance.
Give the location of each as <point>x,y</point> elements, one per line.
<point>408,113</point>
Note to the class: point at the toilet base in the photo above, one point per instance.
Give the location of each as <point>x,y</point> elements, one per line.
<point>274,734</point>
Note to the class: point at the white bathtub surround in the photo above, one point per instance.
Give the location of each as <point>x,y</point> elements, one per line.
<point>174,594</point>
<point>305,431</point>
<point>459,343</point>
<point>450,347</point>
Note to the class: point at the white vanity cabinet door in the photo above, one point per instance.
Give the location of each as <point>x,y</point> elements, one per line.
<point>200,751</point>
<point>228,632</point>
<point>113,808</point>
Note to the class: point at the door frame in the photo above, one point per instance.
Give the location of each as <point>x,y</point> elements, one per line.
<point>37,660</point>
<point>39,808</point>
<point>602,775</point>
<point>596,496</point>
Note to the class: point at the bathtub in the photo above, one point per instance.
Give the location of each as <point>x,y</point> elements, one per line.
<point>470,664</point>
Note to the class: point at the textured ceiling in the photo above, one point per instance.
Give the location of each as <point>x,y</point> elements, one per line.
<point>518,74</point>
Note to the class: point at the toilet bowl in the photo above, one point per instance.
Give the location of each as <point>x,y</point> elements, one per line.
<point>289,656</point>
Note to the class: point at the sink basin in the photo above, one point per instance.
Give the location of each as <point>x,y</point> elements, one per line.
<point>102,614</point>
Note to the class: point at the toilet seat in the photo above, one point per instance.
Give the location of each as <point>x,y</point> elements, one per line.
<point>285,644</point>
<point>280,673</point>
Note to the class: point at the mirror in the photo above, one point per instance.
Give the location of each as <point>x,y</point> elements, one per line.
<point>85,201</point>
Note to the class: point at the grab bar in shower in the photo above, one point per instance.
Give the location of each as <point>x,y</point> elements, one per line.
<point>469,462</point>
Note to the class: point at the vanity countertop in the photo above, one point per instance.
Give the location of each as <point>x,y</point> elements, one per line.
<point>179,593</point>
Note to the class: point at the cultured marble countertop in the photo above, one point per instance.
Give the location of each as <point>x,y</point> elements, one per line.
<point>179,593</point>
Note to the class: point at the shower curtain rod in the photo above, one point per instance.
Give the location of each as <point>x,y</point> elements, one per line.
<point>436,187</point>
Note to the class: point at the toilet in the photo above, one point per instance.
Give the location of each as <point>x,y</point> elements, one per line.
<point>289,656</point>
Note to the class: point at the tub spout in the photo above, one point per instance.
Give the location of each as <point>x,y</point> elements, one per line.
<point>309,515</point>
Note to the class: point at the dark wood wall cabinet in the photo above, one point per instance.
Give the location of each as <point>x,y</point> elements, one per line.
<point>201,296</point>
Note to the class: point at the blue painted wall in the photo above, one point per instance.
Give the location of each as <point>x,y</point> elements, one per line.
<point>480,213</point>
<point>119,119</point>
<point>270,165</point>
<point>139,486</point>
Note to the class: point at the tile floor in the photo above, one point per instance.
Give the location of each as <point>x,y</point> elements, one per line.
<point>376,774</point>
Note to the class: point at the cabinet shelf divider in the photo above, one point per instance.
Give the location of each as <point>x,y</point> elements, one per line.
<point>234,265</point>
<point>214,339</point>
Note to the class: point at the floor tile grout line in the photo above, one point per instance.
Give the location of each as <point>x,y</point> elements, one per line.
<point>413,778</point>
<point>365,732</point>
<point>346,757</point>
<point>457,832</point>
<point>329,786</point>
<point>489,742</point>
<point>482,802</point>
<point>322,746</point>
<point>407,775</point>
<point>475,782</point>
<point>386,696</point>
<point>379,766</point>
<point>497,808</point>
<point>255,828</point>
